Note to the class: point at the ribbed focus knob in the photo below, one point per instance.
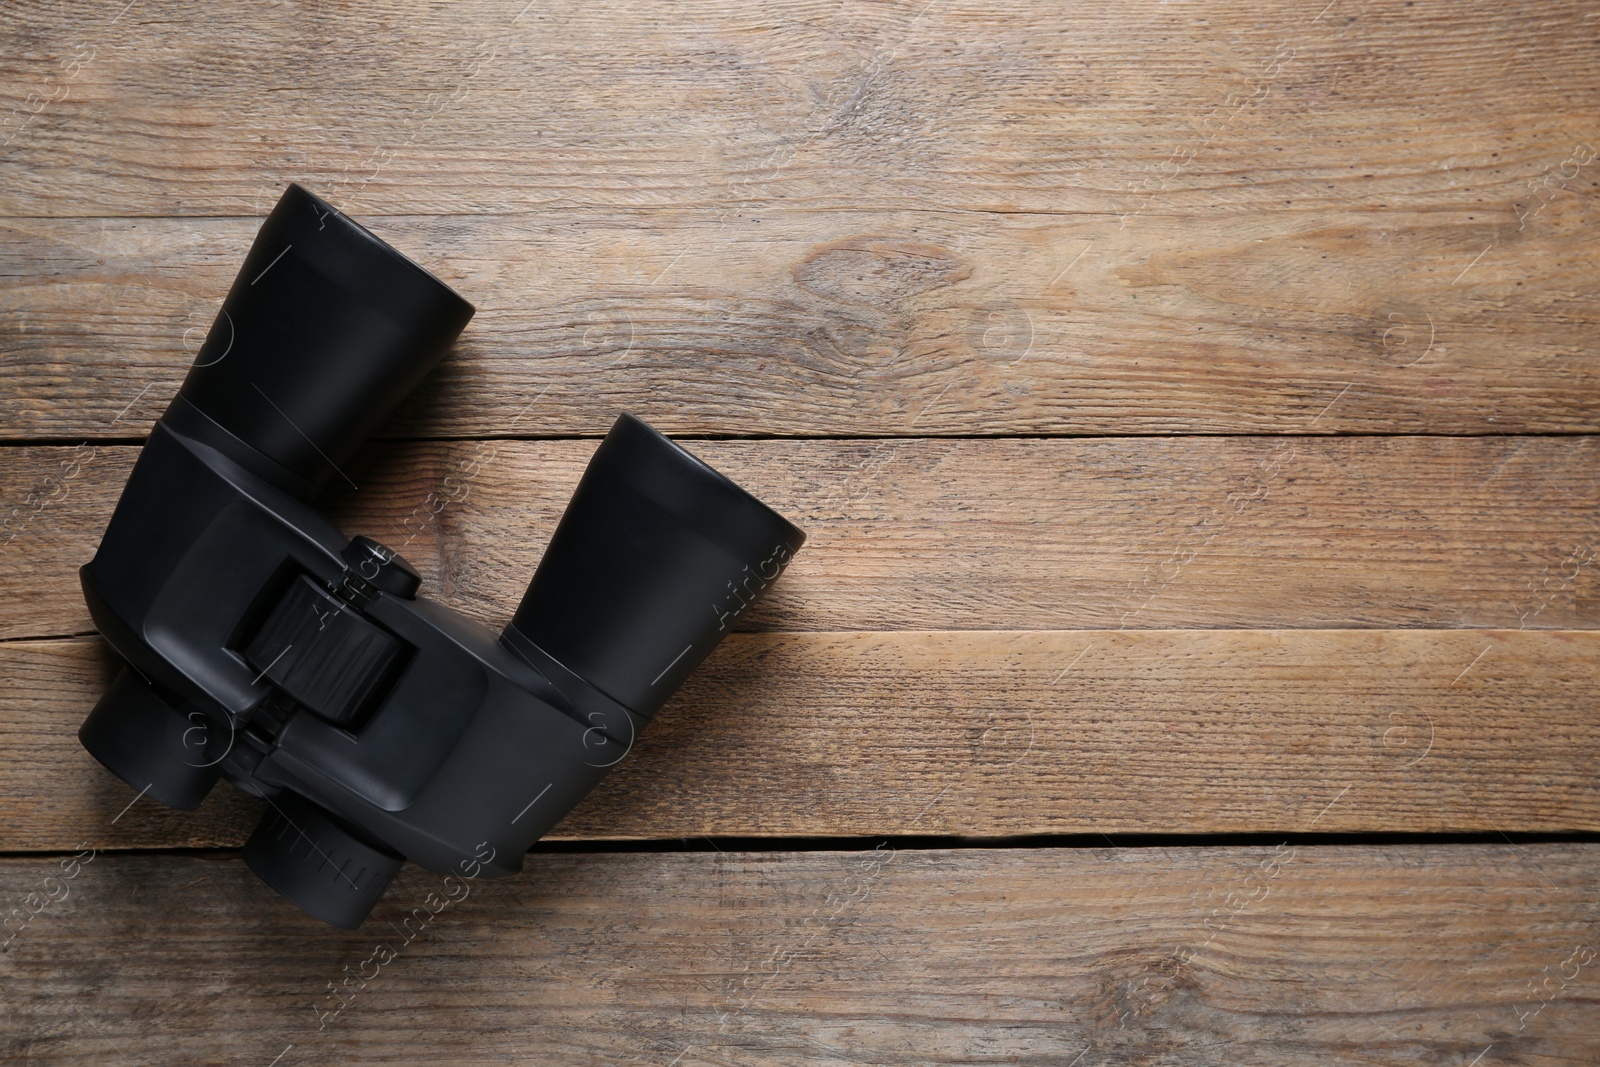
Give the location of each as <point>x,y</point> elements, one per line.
<point>323,653</point>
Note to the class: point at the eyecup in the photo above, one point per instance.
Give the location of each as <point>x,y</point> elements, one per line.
<point>140,738</point>
<point>317,864</point>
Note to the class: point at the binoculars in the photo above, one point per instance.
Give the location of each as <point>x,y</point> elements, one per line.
<point>265,647</point>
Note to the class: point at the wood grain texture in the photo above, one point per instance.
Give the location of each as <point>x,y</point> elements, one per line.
<point>977,534</point>
<point>1271,956</point>
<point>497,108</point>
<point>878,220</point>
<point>863,323</point>
<point>1039,248</point>
<point>990,734</point>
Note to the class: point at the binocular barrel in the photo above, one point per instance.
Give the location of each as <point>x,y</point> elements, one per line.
<point>325,330</point>
<point>655,558</point>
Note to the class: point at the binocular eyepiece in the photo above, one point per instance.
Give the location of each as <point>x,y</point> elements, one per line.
<point>266,647</point>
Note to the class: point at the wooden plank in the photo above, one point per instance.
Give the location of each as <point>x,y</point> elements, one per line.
<point>990,734</point>
<point>1097,107</point>
<point>909,219</point>
<point>1288,320</point>
<point>1273,955</point>
<point>981,534</point>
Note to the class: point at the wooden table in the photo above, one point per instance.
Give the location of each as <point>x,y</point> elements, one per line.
<point>1193,410</point>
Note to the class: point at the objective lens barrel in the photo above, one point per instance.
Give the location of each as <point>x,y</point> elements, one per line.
<point>656,558</point>
<point>325,330</point>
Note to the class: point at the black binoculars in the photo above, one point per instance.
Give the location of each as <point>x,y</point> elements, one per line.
<point>264,646</point>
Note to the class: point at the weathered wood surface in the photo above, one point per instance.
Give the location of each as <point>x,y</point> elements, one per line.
<point>977,534</point>
<point>919,221</point>
<point>988,734</point>
<point>1273,955</point>
<point>904,219</point>
<point>499,107</point>
<point>885,324</point>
